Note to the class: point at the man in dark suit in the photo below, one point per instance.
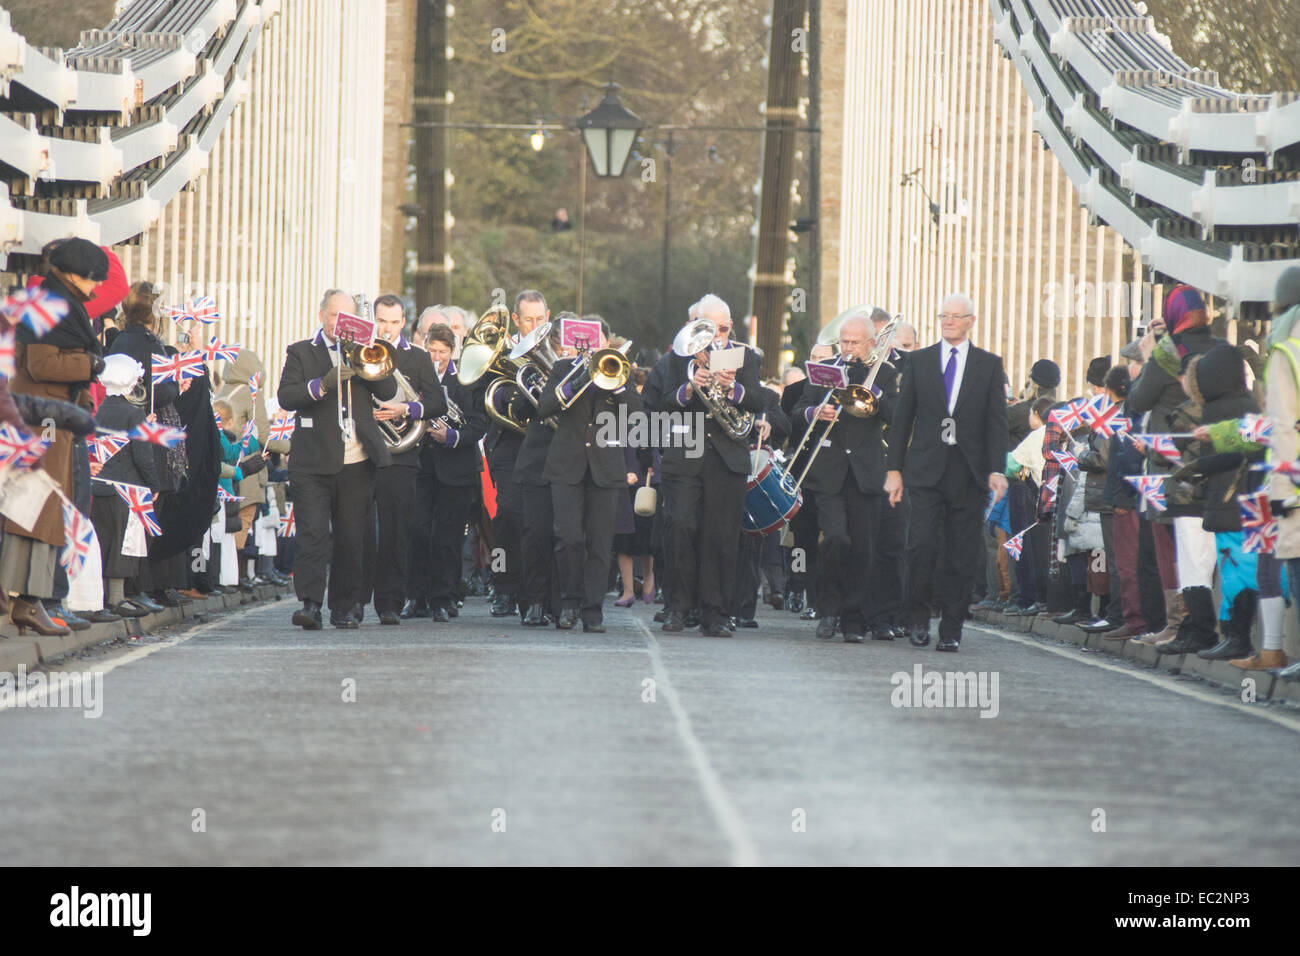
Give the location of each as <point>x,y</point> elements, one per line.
<point>847,480</point>
<point>502,450</point>
<point>445,484</point>
<point>770,429</point>
<point>705,475</point>
<point>586,469</point>
<point>948,447</point>
<point>386,559</point>
<point>888,583</point>
<point>332,474</point>
<point>803,572</point>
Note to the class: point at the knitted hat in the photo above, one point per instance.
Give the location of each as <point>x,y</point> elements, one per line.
<point>1184,309</point>
<point>1045,373</point>
<point>1097,370</point>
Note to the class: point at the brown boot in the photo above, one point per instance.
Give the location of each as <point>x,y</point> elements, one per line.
<point>1261,661</point>
<point>1175,611</point>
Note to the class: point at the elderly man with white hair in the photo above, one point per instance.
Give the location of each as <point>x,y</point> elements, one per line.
<point>703,476</point>
<point>948,447</point>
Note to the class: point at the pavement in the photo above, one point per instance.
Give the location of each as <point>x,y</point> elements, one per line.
<point>245,741</point>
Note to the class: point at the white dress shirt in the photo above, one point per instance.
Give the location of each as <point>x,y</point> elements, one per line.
<point>945,353</point>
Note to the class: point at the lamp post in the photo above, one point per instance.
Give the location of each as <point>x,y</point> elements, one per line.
<point>608,131</point>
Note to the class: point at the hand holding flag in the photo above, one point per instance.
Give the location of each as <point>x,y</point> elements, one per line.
<point>38,309</point>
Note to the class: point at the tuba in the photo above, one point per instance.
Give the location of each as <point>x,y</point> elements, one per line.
<point>696,337</point>
<point>373,362</point>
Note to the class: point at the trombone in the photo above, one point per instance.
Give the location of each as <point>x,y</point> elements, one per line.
<point>607,369</point>
<point>347,353</point>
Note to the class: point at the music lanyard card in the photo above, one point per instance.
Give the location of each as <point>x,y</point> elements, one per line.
<point>727,360</point>
<point>826,375</point>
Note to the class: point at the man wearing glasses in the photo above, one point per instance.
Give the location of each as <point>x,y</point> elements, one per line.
<point>948,446</point>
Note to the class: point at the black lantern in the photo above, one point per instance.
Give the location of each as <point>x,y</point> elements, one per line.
<point>609,132</point>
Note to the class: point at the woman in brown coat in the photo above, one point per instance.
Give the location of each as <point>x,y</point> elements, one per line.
<point>60,364</point>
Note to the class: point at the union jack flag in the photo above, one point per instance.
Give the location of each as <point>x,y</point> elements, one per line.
<point>1105,418</point>
<point>104,447</point>
<point>1014,545</point>
<point>173,368</point>
<point>1067,461</point>
<point>1255,510</point>
<point>1151,488</point>
<point>200,309</point>
<point>248,436</point>
<point>18,450</point>
<point>1289,468</point>
<point>1070,416</point>
<point>254,381</point>
<point>1164,446</point>
<point>216,349</point>
<point>80,535</point>
<point>140,500</point>
<point>37,309</point>
<point>1051,488</point>
<point>282,428</point>
<point>1262,540</point>
<point>287,526</point>
<point>1256,428</point>
<point>224,495</point>
<point>7,355</point>
<point>168,436</point>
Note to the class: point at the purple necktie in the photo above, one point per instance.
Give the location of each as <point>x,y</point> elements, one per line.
<point>950,375</point>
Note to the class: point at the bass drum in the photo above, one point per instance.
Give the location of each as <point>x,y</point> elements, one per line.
<point>771,498</point>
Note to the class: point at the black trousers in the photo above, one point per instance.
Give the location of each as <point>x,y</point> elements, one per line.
<point>507,532</point>
<point>437,522</point>
<point>704,528</point>
<point>331,513</point>
<point>388,543</point>
<point>584,542</point>
<point>661,537</point>
<point>538,582</point>
<point>749,574</point>
<point>804,553</point>
<point>943,566</point>
<point>850,525</point>
<point>888,583</point>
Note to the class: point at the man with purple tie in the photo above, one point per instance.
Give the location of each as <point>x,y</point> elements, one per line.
<point>949,445</point>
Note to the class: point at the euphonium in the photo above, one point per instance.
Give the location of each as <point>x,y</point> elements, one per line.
<point>694,338</point>
<point>377,361</point>
<point>485,348</point>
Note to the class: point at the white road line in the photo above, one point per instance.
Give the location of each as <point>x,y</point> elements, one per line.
<point>1282,720</point>
<point>743,850</point>
<point>22,700</point>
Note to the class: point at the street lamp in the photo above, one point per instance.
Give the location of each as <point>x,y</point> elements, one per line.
<point>609,132</point>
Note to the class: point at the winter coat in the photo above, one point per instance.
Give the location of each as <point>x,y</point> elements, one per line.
<point>1217,382</point>
<point>1282,404</point>
<point>1092,462</point>
<point>1156,389</point>
<point>236,393</point>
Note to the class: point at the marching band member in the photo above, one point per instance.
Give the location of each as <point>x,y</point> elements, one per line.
<point>586,474</point>
<point>847,478</point>
<point>707,494</point>
<point>502,451</point>
<point>889,573</point>
<point>802,576</point>
<point>386,559</point>
<point>538,582</point>
<point>332,474</point>
<point>448,475</point>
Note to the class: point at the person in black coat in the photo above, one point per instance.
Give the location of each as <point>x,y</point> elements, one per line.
<point>445,486</point>
<point>332,474</point>
<point>847,479</point>
<point>388,548</point>
<point>586,469</point>
<point>803,571</point>
<point>707,495</point>
<point>948,447</point>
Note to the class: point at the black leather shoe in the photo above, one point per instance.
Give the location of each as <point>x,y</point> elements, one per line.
<point>777,601</point>
<point>854,638</point>
<point>502,605</point>
<point>692,618</point>
<point>674,622</point>
<point>826,628</point>
<point>536,616</point>
<point>344,621</point>
<point>715,630</point>
<point>128,609</point>
<point>793,602</point>
<point>308,617</point>
<point>747,622</point>
<point>568,619</point>
<point>948,644</point>
<point>415,607</point>
<point>453,611</point>
<point>919,636</point>
<point>358,613</point>
<point>731,624</point>
<point>660,616</point>
<point>440,615</point>
<point>388,617</point>
<point>245,585</point>
<point>1230,648</point>
<point>1072,617</point>
<point>882,634</point>
<point>593,627</point>
<point>103,617</point>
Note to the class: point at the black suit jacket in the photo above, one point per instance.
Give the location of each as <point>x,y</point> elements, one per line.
<point>857,445</point>
<point>530,464</point>
<point>587,433</point>
<point>459,462</point>
<point>979,426</point>
<point>417,368</point>
<point>317,444</point>
<point>662,393</point>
